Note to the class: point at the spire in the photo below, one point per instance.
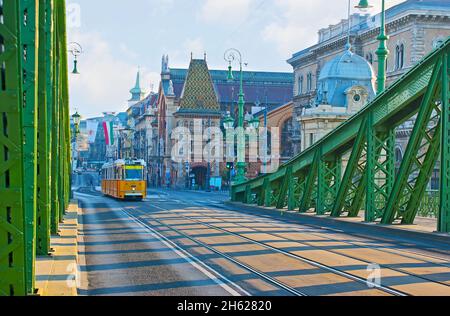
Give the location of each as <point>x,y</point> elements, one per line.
<point>165,64</point>
<point>138,79</point>
<point>137,92</point>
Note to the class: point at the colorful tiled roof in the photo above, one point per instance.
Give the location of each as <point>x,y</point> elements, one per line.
<point>198,92</point>
<point>276,87</point>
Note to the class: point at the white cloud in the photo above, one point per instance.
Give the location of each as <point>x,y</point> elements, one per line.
<point>105,79</point>
<point>195,46</point>
<point>228,12</point>
<point>301,20</point>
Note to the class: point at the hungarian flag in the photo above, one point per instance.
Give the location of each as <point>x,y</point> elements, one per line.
<point>109,133</point>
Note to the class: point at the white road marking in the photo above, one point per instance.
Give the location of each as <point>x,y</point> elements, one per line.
<point>194,261</point>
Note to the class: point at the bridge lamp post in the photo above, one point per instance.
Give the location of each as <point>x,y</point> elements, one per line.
<point>76,122</point>
<point>233,55</point>
<point>382,51</point>
<point>228,124</point>
<point>76,50</point>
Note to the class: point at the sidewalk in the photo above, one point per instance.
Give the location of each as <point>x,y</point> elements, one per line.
<point>57,274</point>
<point>424,228</point>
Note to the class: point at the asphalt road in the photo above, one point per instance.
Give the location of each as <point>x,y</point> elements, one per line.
<point>191,244</point>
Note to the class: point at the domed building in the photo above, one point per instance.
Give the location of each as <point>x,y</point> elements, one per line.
<point>345,85</point>
<point>346,81</point>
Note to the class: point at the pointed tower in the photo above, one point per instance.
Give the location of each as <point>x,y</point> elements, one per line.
<point>137,94</point>
<point>198,104</point>
<point>199,95</point>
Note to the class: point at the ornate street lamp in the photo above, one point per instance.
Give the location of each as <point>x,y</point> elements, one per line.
<point>76,122</point>
<point>228,123</point>
<point>382,51</point>
<point>254,123</point>
<point>233,55</point>
<point>76,50</point>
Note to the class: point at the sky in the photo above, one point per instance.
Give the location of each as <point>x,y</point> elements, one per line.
<point>118,37</point>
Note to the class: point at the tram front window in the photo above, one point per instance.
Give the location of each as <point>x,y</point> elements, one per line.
<point>133,174</point>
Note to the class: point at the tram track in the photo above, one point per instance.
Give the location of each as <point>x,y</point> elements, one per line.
<point>318,265</point>
<point>260,274</point>
<point>316,248</point>
<point>352,243</point>
<point>356,235</point>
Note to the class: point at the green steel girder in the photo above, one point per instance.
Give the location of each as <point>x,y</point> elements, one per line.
<point>265,194</point>
<point>426,169</point>
<point>61,7</point>
<point>311,184</point>
<point>349,188</point>
<point>292,198</point>
<point>444,214</point>
<point>18,145</point>
<point>416,160</point>
<point>299,189</point>
<point>248,195</point>
<point>380,170</point>
<point>282,195</point>
<point>55,178</point>
<point>29,32</point>
<point>330,170</point>
<point>34,107</point>
<point>274,195</point>
<point>44,134</point>
<point>13,263</point>
<point>370,135</point>
<point>398,103</point>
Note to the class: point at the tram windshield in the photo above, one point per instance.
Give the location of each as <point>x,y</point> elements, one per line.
<point>133,174</point>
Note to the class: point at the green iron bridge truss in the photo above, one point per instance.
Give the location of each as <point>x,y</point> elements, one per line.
<point>34,136</point>
<point>353,168</point>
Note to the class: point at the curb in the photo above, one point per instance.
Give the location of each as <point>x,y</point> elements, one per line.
<point>83,284</point>
<point>58,273</point>
<point>330,222</point>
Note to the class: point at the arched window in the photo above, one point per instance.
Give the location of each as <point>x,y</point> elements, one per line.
<point>309,82</point>
<point>399,56</point>
<point>402,56</point>
<point>300,85</point>
<point>369,58</point>
<point>437,43</point>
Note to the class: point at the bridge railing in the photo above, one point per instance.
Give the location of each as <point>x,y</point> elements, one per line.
<point>34,136</point>
<point>317,181</point>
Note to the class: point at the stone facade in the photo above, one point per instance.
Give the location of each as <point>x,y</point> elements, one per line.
<point>415,29</point>
<point>282,118</point>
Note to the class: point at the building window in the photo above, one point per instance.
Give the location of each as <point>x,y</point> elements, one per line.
<point>399,56</point>
<point>311,139</point>
<point>287,149</point>
<point>369,58</point>
<point>437,43</point>
<point>300,85</point>
<point>309,82</point>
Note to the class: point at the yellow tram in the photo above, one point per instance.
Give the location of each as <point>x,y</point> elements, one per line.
<point>124,179</point>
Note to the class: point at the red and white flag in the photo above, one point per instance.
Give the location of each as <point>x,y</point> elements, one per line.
<point>108,128</point>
